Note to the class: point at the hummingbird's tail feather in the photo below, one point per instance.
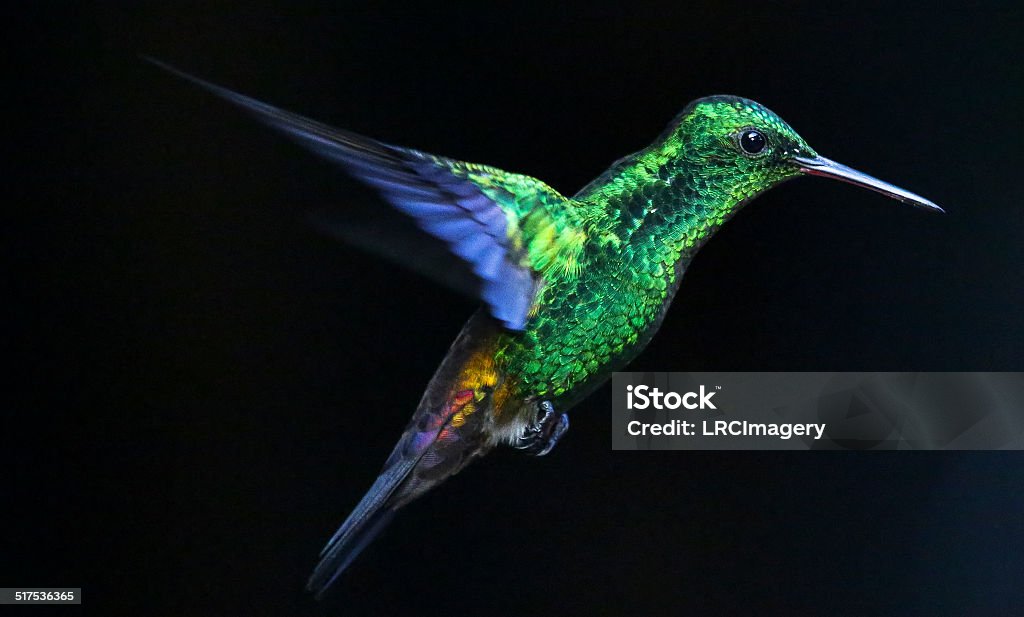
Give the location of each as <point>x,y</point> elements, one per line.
<point>373,502</point>
<point>390,491</point>
<point>451,427</point>
<point>429,452</point>
<point>360,528</point>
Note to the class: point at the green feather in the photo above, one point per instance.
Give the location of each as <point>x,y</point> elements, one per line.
<point>646,217</point>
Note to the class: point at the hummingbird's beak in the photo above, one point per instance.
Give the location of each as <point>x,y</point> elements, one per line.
<point>821,166</point>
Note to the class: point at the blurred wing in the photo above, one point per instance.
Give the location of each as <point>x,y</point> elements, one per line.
<point>513,230</point>
<point>389,234</point>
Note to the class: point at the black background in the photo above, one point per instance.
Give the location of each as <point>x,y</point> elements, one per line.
<point>202,386</point>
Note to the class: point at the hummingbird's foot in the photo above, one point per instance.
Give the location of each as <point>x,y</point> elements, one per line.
<point>541,435</point>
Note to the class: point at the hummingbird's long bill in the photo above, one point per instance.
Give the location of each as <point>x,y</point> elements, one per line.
<point>821,166</point>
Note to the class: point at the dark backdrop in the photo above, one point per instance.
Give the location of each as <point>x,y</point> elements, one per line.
<point>202,386</point>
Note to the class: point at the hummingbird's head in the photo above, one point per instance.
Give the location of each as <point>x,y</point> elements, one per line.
<point>742,149</point>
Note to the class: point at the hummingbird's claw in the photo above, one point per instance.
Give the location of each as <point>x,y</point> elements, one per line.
<point>541,435</point>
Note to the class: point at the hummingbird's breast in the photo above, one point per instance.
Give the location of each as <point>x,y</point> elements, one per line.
<point>587,327</point>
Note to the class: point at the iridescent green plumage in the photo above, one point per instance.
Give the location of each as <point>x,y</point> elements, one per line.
<point>648,214</point>
<point>573,288</point>
<point>545,229</point>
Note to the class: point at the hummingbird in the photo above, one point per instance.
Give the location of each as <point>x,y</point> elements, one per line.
<point>572,287</point>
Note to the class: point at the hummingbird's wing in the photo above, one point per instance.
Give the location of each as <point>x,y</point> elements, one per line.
<point>393,236</point>
<point>513,230</point>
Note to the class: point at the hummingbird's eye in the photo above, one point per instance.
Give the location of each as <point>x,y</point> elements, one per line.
<point>752,141</point>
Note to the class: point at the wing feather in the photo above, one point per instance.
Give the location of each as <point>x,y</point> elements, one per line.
<point>513,230</point>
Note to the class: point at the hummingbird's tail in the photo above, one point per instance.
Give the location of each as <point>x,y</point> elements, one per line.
<point>452,426</point>
<point>359,529</point>
<point>434,447</point>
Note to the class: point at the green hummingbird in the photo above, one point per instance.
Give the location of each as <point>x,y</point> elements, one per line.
<point>572,288</point>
